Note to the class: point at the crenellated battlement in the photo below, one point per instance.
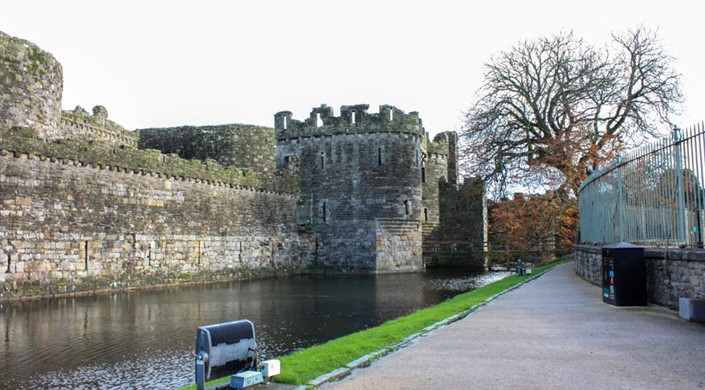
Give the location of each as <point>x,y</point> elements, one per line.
<point>352,120</point>
<point>78,124</point>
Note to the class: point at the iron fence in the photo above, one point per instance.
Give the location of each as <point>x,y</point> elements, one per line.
<point>652,196</point>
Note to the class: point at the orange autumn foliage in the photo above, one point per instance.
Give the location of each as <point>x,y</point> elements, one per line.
<point>545,224</point>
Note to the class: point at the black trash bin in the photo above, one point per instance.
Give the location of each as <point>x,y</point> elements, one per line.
<point>624,275</point>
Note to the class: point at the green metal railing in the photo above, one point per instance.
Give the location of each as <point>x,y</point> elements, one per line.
<point>653,196</point>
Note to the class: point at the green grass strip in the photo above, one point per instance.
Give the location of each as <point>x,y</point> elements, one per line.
<point>302,366</point>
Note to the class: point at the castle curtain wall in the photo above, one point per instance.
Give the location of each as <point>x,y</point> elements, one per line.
<point>67,223</point>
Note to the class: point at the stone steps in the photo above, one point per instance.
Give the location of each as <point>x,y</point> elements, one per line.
<point>427,230</point>
<point>393,225</point>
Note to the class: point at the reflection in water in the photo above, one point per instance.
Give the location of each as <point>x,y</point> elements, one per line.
<point>146,339</point>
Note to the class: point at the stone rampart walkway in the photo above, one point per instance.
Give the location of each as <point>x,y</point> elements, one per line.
<point>552,333</point>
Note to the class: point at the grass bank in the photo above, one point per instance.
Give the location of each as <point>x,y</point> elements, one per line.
<point>302,366</point>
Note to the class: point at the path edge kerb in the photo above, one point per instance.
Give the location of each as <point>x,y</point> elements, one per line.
<point>366,360</point>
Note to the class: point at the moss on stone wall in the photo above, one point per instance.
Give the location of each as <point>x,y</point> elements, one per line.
<point>31,83</point>
<point>439,145</point>
<point>19,140</point>
<point>108,285</point>
<point>231,145</point>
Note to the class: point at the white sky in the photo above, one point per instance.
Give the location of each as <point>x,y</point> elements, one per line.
<point>169,63</point>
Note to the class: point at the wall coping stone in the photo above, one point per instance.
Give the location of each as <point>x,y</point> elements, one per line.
<point>686,254</point>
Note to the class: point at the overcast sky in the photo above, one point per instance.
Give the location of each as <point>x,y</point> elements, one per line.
<point>169,63</point>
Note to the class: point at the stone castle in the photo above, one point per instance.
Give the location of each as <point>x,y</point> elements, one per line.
<point>88,205</point>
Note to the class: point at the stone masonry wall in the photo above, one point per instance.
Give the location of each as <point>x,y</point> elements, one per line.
<point>588,263</point>
<point>435,172</point>
<point>670,273</point>
<point>353,189</point>
<point>398,245</point>
<point>458,240</point>
<point>234,145</point>
<point>71,226</point>
<point>462,209</point>
<point>31,85</point>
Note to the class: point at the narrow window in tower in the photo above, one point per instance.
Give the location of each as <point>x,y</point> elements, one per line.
<point>319,121</point>
<point>407,207</point>
<point>323,160</point>
<point>9,263</point>
<point>379,156</point>
<point>352,117</point>
<point>425,215</point>
<point>85,256</point>
<point>423,174</point>
<point>323,212</point>
<point>285,122</point>
<point>391,114</point>
<point>416,155</point>
<point>287,161</point>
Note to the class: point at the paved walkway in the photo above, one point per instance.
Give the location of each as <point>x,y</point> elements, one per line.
<point>552,333</point>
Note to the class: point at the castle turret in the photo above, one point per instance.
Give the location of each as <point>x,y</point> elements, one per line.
<point>361,175</point>
<point>31,83</point>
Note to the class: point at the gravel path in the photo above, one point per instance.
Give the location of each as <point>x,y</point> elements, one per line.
<point>552,333</point>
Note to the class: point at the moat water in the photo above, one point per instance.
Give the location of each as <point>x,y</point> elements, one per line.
<point>146,339</point>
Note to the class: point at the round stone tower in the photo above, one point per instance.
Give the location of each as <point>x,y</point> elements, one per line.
<point>361,180</point>
<point>31,84</point>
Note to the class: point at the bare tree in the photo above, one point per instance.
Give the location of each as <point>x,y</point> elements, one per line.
<point>551,110</point>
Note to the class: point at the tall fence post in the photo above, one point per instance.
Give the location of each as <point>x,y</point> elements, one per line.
<point>680,217</point>
<point>620,206</point>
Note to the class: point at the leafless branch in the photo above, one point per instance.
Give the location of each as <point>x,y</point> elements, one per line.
<point>558,106</point>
